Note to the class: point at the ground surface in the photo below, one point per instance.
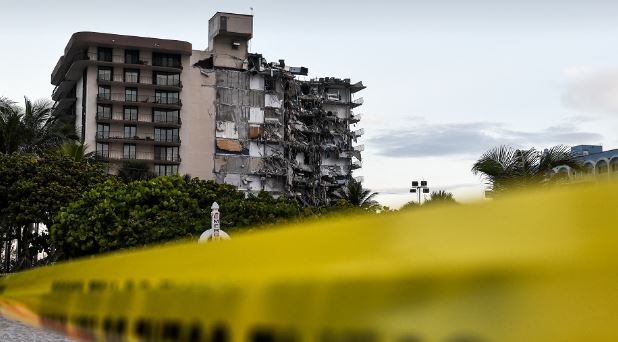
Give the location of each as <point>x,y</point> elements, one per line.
<point>11,331</point>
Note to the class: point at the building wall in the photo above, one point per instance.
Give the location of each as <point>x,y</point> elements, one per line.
<point>198,119</point>
<point>91,108</point>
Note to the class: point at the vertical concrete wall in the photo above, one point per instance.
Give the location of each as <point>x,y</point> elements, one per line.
<point>91,108</point>
<point>198,119</point>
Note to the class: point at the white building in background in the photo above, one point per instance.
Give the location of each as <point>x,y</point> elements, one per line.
<point>597,163</point>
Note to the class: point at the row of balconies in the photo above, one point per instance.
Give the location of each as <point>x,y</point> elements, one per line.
<point>139,156</point>
<point>70,68</point>
<point>141,119</point>
<point>124,59</point>
<point>145,99</point>
<point>138,137</point>
<point>140,80</point>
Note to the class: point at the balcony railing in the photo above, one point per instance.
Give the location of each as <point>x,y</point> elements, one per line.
<point>122,135</point>
<point>141,118</point>
<point>166,138</point>
<point>166,120</point>
<point>139,99</point>
<point>141,79</point>
<point>137,155</point>
<point>168,158</point>
<point>121,58</point>
<point>104,116</point>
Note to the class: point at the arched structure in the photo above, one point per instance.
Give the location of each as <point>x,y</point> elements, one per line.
<point>613,166</point>
<point>601,167</point>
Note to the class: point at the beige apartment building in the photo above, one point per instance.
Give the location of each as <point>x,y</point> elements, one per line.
<point>222,113</point>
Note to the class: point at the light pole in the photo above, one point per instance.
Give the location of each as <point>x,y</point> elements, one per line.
<point>418,187</point>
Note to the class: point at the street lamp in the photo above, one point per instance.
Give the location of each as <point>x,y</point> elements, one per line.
<point>418,188</point>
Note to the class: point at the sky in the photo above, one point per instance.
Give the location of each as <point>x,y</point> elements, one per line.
<point>446,79</point>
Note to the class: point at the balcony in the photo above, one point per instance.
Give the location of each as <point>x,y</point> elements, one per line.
<point>357,164</point>
<point>151,138</point>
<point>140,63</point>
<point>358,133</point>
<point>147,100</point>
<point>142,119</point>
<point>357,102</point>
<point>137,156</point>
<point>355,118</point>
<point>141,80</point>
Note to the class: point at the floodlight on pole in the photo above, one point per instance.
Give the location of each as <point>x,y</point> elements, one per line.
<point>418,188</point>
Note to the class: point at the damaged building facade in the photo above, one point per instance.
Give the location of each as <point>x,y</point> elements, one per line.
<point>222,113</point>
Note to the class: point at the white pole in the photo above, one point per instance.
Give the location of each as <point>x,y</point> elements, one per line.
<point>214,215</point>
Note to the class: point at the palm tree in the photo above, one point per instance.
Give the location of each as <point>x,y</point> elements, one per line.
<point>355,194</point>
<point>76,151</point>
<point>505,168</point>
<point>33,128</point>
<point>10,126</point>
<point>441,197</point>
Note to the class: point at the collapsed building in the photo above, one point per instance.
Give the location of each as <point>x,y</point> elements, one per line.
<point>271,130</point>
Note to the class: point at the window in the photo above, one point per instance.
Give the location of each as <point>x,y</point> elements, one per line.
<point>131,75</point>
<point>166,97</point>
<point>333,95</point>
<point>167,79</point>
<point>130,94</point>
<point>129,151</point>
<point>166,170</point>
<point>166,116</point>
<point>167,134</point>
<point>104,54</point>
<point>131,56</point>
<point>104,112</point>
<point>166,60</point>
<point>130,131</point>
<point>166,153</point>
<point>269,83</point>
<point>105,74</point>
<point>103,131</point>
<point>102,150</point>
<point>105,93</point>
<point>130,114</point>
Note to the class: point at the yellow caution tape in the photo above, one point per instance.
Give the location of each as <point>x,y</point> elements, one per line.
<point>541,266</point>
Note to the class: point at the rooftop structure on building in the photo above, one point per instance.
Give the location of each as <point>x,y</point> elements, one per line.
<point>222,113</point>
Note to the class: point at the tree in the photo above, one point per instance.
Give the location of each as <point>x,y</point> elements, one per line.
<point>505,168</point>
<point>436,197</point>
<point>135,170</point>
<point>356,195</point>
<point>33,128</point>
<point>76,151</point>
<point>440,197</point>
<point>33,188</point>
<point>116,215</point>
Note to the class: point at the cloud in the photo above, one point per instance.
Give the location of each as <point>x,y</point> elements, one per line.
<point>428,140</point>
<point>591,91</point>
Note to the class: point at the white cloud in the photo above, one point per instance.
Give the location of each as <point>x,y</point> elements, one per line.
<point>592,90</point>
<point>474,138</point>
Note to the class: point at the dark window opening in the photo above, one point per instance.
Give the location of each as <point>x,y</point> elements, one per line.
<point>131,56</point>
<point>166,60</point>
<point>104,54</point>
